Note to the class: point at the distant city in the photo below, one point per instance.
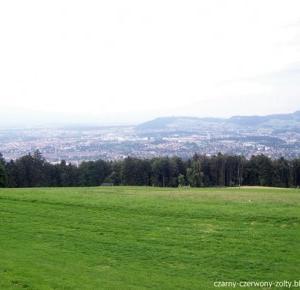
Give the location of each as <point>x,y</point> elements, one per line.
<point>273,135</point>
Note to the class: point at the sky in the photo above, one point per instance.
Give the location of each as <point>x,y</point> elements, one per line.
<point>131,61</point>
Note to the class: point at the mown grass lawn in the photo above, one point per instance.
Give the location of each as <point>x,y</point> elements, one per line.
<point>147,238</point>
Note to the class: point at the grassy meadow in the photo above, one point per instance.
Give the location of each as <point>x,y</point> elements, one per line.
<point>147,238</point>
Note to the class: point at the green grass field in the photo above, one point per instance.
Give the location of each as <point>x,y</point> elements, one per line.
<point>147,238</point>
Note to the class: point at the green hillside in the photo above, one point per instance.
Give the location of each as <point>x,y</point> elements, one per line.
<point>147,238</point>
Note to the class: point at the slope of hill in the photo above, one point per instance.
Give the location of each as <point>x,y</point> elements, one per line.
<point>147,238</point>
<point>269,120</point>
<point>186,123</point>
<point>180,123</point>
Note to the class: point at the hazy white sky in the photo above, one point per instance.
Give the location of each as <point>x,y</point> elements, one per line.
<point>129,61</point>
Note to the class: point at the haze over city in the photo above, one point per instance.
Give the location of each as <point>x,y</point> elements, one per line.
<point>127,62</point>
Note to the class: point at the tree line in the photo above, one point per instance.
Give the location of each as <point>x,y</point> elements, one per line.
<point>33,170</point>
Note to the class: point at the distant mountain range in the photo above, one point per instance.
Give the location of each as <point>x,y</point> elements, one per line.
<point>278,121</point>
